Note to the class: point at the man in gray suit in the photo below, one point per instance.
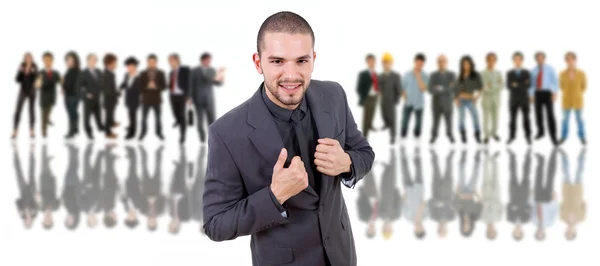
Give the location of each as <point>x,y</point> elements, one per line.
<point>391,90</point>
<point>202,81</point>
<point>277,162</point>
<point>441,88</point>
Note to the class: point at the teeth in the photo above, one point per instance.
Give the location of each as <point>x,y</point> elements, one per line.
<point>289,87</point>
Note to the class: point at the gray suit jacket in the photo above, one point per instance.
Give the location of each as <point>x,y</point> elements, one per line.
<point>441,87</point>
<point>201,85</point>
<point>243,146</point>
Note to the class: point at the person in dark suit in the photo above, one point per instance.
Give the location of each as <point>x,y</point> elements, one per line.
<point>152,84</point>
<point>26,76</point>
<point>132,87</point>
<point>91,88</point>
<point>28,202</point>
<point>277,162</point>
<point>441,88</point>
<point>203,78</point>
<point>519,81</point>
<point>368,91</point>
<point>71,92</point>
<point>179,84</point>
<point>48,79</point>
<point>111,94</point>
<point>391,90</point>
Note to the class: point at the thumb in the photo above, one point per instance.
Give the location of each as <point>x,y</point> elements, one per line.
<point>281,160</point>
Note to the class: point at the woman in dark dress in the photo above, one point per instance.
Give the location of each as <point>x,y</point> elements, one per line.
<point>26,76</point>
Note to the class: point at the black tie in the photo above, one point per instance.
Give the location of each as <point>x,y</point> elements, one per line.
<point>302,143</point>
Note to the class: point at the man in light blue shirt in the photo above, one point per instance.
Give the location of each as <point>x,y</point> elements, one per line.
<point>414,86</point>
<point>543,92</point>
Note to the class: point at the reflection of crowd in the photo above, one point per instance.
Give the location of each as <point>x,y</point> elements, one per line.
<point>470,201</point>
<point>97,195</point>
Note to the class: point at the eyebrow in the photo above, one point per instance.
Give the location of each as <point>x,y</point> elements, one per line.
<point>304,57</point>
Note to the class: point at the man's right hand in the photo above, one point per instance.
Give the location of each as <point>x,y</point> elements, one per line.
<point>531,99</point>
<point>90,96</point>
<point>287,182</point>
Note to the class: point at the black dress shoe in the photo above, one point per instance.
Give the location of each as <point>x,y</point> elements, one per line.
<point>539,136</point>
<point>496,138</point>
<point>583,141</point>
<point>451,138</point>
<point>510,141</point>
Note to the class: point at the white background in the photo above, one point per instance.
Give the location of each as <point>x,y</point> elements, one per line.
<point>345,32</point>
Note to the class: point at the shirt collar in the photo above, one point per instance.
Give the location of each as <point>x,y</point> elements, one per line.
<point>279,112</point>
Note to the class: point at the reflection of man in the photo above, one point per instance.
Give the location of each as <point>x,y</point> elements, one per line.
<point>390,94</point>
<point>203,78</point>
<point>545,208</point>
<point>391,201</point>
<point>275,163</point>
<point>368,92</point>
<point>518,210</point>
<point>441,203</point>
<point>414,204</point>
<point>414,86</point>
<point>543,92</point>
<point>573,208</point>
<point>442,90</point>
<point>490,195</point>
<point>27,204</point>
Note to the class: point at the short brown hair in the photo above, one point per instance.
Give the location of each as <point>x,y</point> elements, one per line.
<point>572,54</point>
<point>283,22</point>
<point>109,59</point>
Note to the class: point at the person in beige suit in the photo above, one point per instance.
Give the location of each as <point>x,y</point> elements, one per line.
<point>573,208</point>
<point>573,84</point>
<point>490,103</point>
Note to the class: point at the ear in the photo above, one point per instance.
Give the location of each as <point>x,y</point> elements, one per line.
<point>256,60</point>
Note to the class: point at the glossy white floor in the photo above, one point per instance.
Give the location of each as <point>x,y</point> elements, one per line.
<point>341,45</point>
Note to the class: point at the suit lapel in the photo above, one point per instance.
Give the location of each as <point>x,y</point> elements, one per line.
<point>325,122</point>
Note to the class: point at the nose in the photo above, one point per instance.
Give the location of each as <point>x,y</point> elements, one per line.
<point>290,71</point>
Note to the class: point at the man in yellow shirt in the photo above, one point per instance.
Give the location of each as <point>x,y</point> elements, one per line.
<point>573,85</point>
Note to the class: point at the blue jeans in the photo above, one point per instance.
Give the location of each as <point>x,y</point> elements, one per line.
<point>467,104</point>
<point>71,103</point>
<point>578,118</point>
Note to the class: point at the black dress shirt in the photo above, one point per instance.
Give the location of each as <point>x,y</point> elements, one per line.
<point>285,125</point>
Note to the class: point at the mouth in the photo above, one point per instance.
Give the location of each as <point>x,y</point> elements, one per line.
<point>290,87</point>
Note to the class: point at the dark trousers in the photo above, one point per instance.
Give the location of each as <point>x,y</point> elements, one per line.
<point>438,113</point>
<point>46,110</point>
<point>110,116</point>
<point>178,103</point>
<point>20,101</point>
<point>543,191</point>
<point>71,103</point>
<point>406,114</point>
<point>132,113</point>
<point>204,109</point>
<point>368,114</point>
<point>543,101</point>
<point>92,108</point>
<point>514,109</point>
<point>157,120</point>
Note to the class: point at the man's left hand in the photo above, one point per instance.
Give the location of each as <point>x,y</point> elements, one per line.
<point>330,158</point>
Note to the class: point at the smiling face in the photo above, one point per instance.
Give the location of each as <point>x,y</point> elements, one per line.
<point>286,63</point>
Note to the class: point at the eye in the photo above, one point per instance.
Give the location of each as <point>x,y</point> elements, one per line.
<point>302,61</point>
<point>276,61</point>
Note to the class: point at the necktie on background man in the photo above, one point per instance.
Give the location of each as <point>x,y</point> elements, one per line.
<point>375,82</point>
<point>173,80</point>
<point>539,78</point>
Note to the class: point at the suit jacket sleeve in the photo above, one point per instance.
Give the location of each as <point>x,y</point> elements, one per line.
<point>228,211</point>
<point>161,83</point>
<point>360,152</point>
<point>398,88</point>
<point>193,83</point>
